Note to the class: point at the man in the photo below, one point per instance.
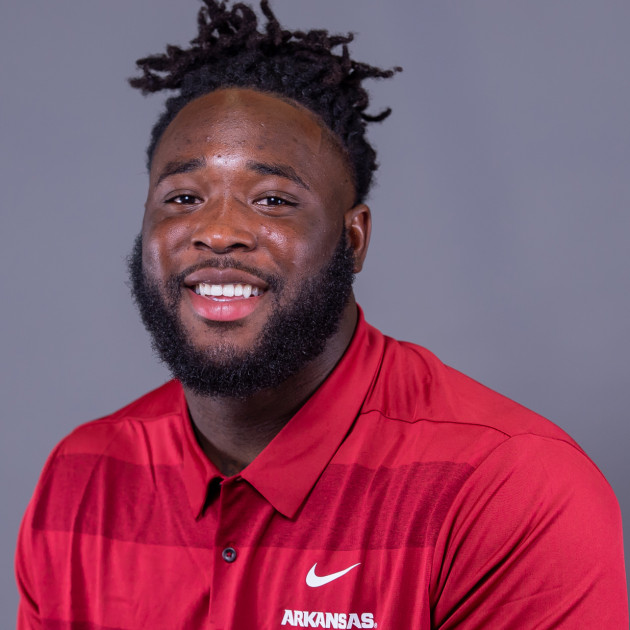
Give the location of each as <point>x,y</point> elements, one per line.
<point>302,470</point>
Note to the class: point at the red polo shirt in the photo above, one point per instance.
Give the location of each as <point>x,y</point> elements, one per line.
<point>402,495</point>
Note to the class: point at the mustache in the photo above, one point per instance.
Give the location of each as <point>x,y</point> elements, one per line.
<point>174,283</point>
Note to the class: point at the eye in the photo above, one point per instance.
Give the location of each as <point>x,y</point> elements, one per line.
<point>183,200</point>
<point>274,201</point>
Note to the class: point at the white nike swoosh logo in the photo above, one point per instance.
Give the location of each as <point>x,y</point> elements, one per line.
<point>316,580</point>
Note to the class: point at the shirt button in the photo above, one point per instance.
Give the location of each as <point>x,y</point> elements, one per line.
<point>229,554</point>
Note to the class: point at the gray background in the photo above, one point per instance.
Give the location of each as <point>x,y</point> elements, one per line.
<point>501,214</point>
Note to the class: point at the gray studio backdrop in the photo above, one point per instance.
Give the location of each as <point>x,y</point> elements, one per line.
<point>501,214</point>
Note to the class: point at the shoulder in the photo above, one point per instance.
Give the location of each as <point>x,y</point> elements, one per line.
<point>130,437</point>
<point>101,435</point>
<point>89,464</point>
<point>497,447</point>
<point>533,538</point>
<point>439,417</point>
<point>530,476</point>
<point>92,481</point>
<point>530,533</point>
<point>413,385</point>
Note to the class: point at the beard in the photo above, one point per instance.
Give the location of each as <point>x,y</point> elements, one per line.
<point>294,335</point>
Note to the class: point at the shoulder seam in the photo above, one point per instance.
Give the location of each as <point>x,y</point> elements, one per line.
<point>440,421</point>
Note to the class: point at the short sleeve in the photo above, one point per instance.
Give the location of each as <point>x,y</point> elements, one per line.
<point>28,613</point>
<point>28,563</point>
<point>533,540</point>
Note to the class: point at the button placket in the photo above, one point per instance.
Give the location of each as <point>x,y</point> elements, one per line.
<point>230,553</point>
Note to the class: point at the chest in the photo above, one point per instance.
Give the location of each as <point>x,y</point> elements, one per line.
<point>357,554</point>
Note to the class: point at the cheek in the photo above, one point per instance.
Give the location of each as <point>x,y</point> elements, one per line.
<point>277,242</point>
<point>160,245</point>
<point>299,251</point>
<point>325,238</point>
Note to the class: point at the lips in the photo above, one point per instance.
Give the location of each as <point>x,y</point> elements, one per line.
<point>224,294</point>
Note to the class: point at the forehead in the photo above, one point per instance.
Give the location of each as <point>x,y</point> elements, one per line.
<point>235,119</point>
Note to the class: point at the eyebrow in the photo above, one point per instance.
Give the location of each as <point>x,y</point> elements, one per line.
<point>177,166</point>
<point>281,170</point>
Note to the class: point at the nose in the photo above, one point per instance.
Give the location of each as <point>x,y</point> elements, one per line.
<point>225,227</point>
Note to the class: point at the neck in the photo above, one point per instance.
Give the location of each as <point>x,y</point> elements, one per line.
<point>233,431</point>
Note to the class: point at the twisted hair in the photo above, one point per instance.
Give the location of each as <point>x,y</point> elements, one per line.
<point>230,51</point>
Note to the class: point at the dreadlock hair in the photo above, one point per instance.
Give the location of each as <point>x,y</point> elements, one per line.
<point>230,51</point>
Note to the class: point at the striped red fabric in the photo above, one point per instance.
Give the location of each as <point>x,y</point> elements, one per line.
<point>402,495</point>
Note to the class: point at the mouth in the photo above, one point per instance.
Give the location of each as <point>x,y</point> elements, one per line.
<point>224,295</point>
<point>218,291</point>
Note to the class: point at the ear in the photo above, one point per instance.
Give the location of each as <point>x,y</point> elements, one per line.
<point>358,222</point>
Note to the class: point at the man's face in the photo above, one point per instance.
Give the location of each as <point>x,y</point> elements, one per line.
<point>249,220</point>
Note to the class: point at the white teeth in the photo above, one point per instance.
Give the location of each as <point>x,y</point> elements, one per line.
<point>227,290</point>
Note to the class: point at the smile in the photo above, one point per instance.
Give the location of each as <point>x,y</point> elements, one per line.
<point>227,290</point>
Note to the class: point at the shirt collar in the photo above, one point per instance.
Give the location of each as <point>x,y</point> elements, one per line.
<point>288,468</point>
<point>198,470</point>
